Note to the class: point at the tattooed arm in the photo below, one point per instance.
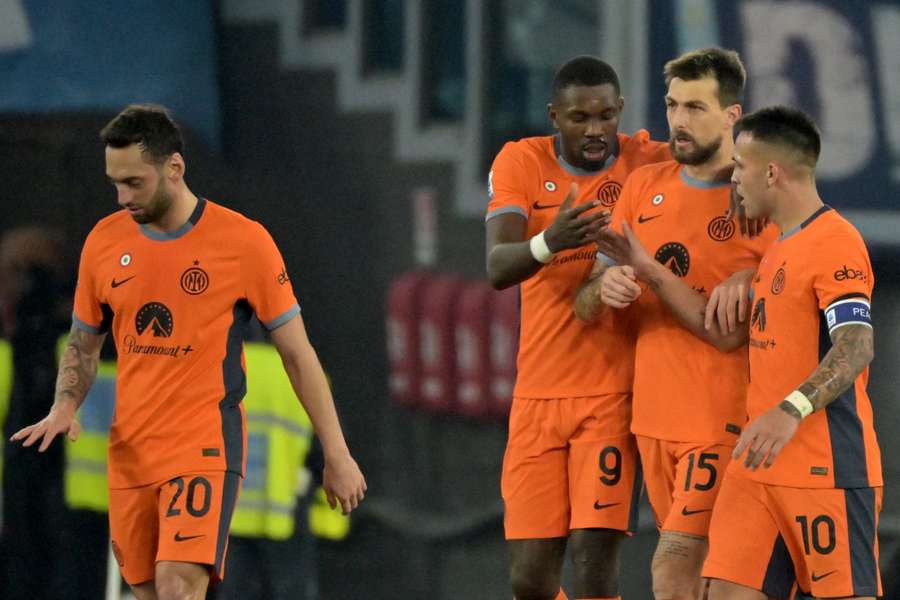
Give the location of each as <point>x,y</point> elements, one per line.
<point>852,350</point>
<point>77,370</point>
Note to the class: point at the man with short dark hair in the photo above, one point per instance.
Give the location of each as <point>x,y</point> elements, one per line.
<point>811,514</point>
<point>570,472</point>
<point>688,397</point>
<point>176,278</point>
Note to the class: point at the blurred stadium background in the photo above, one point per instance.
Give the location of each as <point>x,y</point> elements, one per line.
<point>360,133</point>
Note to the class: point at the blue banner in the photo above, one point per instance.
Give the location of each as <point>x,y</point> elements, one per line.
<point>72,55</point>
<point>837,60</point>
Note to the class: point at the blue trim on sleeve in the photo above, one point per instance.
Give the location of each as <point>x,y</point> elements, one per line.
<point>283,318</point>
<point>505,210</point>
<point>84,326</point>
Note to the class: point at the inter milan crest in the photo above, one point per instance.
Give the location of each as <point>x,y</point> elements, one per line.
<point>720,229</point>
<point>778,281</point>
<point>194,280</point>
<point>609,192</point>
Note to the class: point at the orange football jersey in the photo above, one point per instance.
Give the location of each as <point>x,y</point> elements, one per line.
<point>559,356</point>
<point>684,389</point>
<point>177,305</point>
<point>812,281</point>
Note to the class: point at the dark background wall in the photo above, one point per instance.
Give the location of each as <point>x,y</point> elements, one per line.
<point>330,187</point>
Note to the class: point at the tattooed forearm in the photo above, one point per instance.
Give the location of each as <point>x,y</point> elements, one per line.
<point>674,543</point>
<point>852,350</point>
<point>78,366</point>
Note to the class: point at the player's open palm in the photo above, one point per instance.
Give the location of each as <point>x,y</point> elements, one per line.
<point>572,228</point>
<point>626,249</point>
<point>61,419</point>
<point>764,438</point>
<point>343,483</point>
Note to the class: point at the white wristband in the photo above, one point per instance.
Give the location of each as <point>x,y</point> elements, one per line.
<point>799,400</point>
<point>539,249</point>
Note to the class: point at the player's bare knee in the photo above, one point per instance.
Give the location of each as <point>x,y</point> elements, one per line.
<point>181,581</point>
<point>673,583</point>
<point>535,567</point>
<point>676,566</point>
<point>533,582</point>
<point>595,561</point>
<point>144,591</point>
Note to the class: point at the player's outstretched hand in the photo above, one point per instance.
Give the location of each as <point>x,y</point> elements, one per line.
<point>619,287</point>
<point>749,227</point>
<point>626,249</point>
<point>572,228</point>
<point>343,483</point>
<point>764,438</point>
<point>728,302</point>
<point>61,419</point>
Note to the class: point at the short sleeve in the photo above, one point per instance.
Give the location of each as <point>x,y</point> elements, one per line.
<point>507,192</point>
<point>844,281</point>
<point>89,313</point>
<point>269,290</point>
<point>844,270</point>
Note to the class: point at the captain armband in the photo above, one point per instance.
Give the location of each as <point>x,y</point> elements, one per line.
<point>849,311</point>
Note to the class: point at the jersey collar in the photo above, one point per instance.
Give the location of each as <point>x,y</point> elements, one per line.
<point>700,183</point>
<point>821,211</point>
<point>165,236</point>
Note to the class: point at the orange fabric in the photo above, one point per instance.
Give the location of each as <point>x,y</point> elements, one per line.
<point>684,389</point>
<point>683,480</point>
<point>559,356</point>
<point>821,263</point>
<point>177,520</point>
<point>178,311</point>
<point>570,463</point>
<point>764,537</point>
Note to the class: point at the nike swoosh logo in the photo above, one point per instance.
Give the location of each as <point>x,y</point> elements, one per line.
<point>538,206</point>
<point>180,538</point>
<point>116,284</point>
<point>598,506</point>
<point>688,513</point>
<point>643,219</point>
<point>822,576</point>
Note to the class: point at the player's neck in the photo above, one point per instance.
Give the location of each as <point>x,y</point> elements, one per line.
<point>717,168</point>
<point>799,204</point>
<point>183,205</point>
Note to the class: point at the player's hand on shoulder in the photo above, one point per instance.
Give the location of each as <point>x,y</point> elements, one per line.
<point>343,483</point>
<point>572,228</point>
<point>60,419</point>
<point>619,287</point>
<point>764,438</point>
<point>728,302</point>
